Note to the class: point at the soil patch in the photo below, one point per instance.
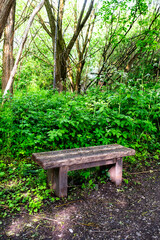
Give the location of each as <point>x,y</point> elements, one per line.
<point>129,212</point>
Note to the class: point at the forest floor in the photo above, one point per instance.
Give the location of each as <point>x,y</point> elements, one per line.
<point>129,212</point>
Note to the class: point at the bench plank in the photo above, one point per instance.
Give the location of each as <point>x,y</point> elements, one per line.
<point>92,164</point>
<point>79,156</point>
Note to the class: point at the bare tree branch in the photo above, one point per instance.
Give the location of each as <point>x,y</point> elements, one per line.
<point>42,22</point>
<point>79,28</point>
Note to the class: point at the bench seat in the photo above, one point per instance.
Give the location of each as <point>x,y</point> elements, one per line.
<point>58,163</point>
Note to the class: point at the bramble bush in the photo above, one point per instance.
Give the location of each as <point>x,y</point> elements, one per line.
<point>45,121</point>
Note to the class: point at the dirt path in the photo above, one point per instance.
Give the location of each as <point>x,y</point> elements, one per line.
<point>130,212</point>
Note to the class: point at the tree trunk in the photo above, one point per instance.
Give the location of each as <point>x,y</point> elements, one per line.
<point>8,60</point>
<point>60,70</point>
<point>61,75</point>
<point>70,75</point>
<point>78,75</point>
<point>5,7</point>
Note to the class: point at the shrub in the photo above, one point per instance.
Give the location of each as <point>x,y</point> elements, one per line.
<point>45,121</point>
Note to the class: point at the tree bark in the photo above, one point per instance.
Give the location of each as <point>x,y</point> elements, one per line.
<point>78,75</point>
<point>8,59</point>
<point>5,7</point>
<point>70,75</point>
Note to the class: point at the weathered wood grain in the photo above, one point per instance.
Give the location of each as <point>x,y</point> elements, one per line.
<point>58,180</point>
<point>75,150</point>
<point>91,164</point>
<point>116,172</point>
<point>80,156</point>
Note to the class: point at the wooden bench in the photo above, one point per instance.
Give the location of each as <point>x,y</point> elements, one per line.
<point>58,163</point>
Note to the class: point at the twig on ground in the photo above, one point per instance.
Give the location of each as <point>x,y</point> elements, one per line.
<point>4,206</point>
<point>114,230</point>
<point>150,171</point>
<point>64,204</point>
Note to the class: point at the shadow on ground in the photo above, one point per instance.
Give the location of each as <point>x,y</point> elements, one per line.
<point>130,212</point>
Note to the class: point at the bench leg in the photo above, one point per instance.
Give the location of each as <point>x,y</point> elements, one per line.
<point>58,181</point>
<point>116,172</point>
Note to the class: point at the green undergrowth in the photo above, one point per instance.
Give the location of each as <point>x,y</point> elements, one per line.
<point>45,121</point>
<point>22,186</point>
